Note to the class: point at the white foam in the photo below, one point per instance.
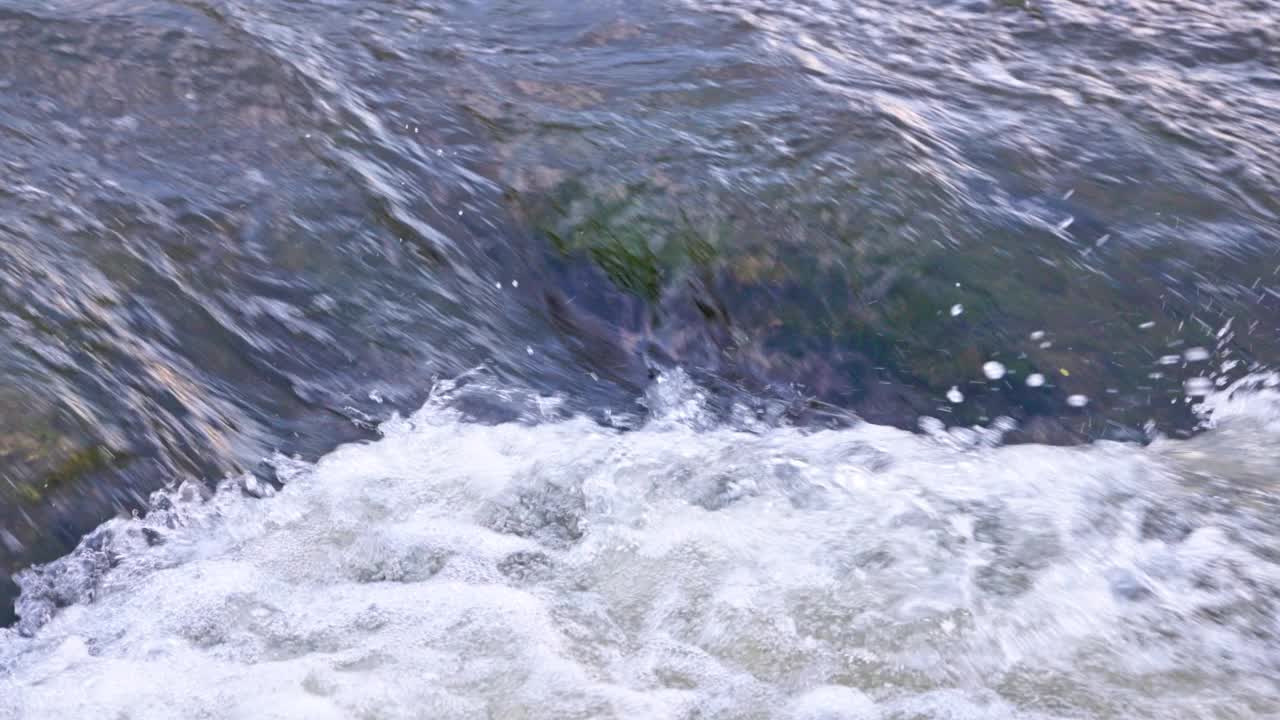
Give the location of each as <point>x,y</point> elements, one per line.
<point>561,569</point>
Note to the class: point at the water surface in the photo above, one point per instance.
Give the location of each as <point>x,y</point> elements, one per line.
<point>230,228</point>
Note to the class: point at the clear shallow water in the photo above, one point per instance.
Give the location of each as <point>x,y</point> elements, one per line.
<point>554,568</point>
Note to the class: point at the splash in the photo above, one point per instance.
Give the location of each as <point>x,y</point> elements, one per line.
<point>554,567</point>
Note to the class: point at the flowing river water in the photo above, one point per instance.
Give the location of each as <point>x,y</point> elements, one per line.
<point>687,359</point>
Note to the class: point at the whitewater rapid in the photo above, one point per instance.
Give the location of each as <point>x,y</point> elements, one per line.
<point>556,567</point>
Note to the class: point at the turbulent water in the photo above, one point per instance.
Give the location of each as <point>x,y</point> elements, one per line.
<point>557,568</point>
<point>898,359</point>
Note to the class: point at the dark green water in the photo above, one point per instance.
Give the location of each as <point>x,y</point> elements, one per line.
<point>229,227</point>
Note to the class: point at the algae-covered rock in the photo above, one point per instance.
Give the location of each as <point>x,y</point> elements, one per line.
<point>818,304</point>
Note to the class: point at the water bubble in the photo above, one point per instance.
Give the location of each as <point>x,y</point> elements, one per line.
<point>932,426</point>
<point>954,395</point>
<point>956,309</point>
<point>1035,380</point>
<point>1077,401</point>
<point>993,370</point>
<point>1148,325</point>
<point>1037,335</point>
<point>1169,359</point>
<point>256,488</point>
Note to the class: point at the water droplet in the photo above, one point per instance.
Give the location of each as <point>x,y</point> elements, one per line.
<point>956,309</point>
<point>993,370</point>
<point>1148,325</point>
<point>1198,386</point>
<point>1037,335</point>
<point>1077,401</point>
<point>954,395</point>
<point>1035,380</point>
<point>10,542</point>
<point>1195,354</point>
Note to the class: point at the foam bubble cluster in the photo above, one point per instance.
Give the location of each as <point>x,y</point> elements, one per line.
<point>561,569</point>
